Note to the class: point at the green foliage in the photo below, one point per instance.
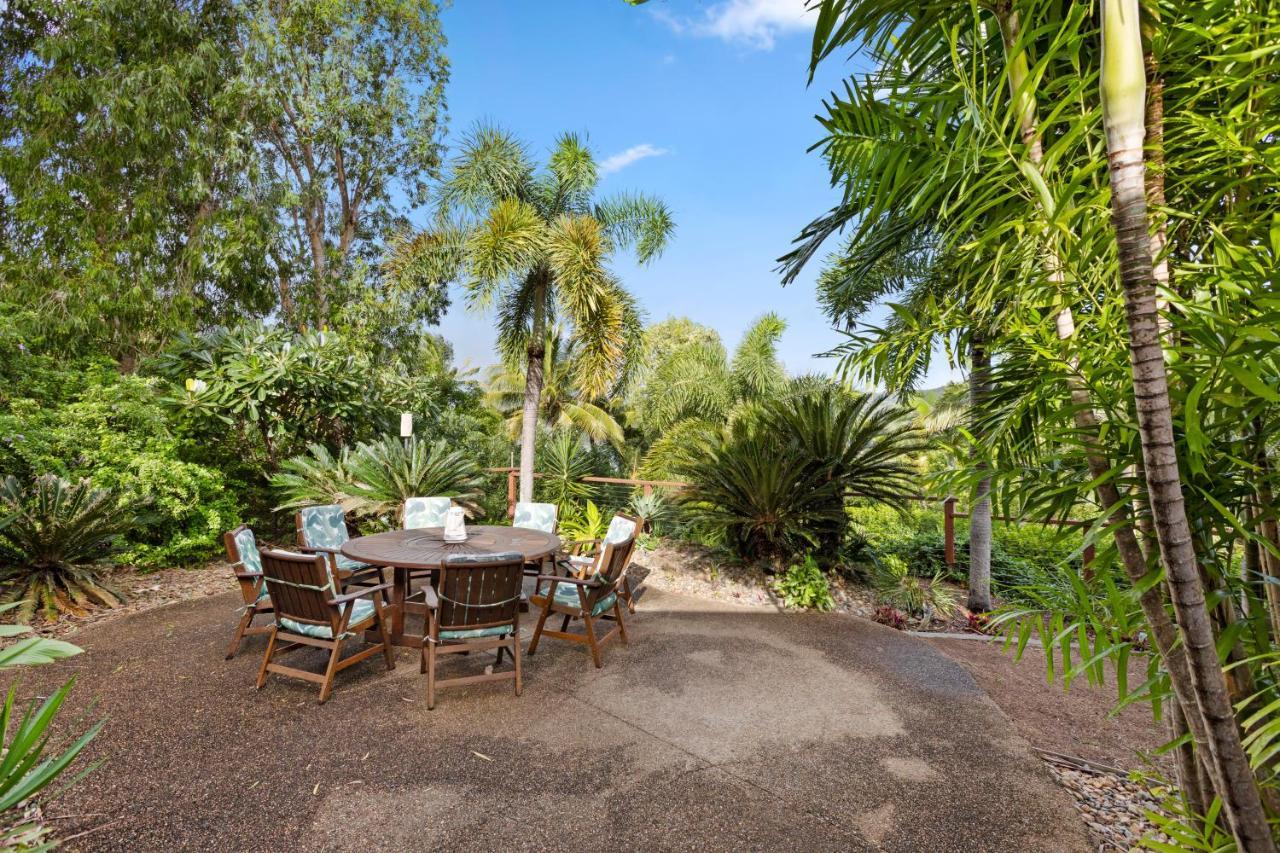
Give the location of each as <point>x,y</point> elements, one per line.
<point>924,599</point>
<point>374,479</point>
<point>386,473</point>
<point>775,482</point>
<point>653,509</point>
<point>54,537</point>
<point>564,464</point>
<point>112,430</point>
<point>805,587</point>
<point>22,773</point>
<point>584,524</point>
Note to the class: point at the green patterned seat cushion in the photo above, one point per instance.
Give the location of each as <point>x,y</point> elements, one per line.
<point>619,529</point>
<point>425,512</point>
<point>535,516</point>
<point>567,595</point>
<point>323,526</point>
<point>347,564</point>
<point>250,559</point>
<point>362,609</point>
<point>476,633</point>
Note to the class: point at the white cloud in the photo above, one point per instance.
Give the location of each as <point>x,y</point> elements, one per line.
<point>623,159</point>
<point>757,23</point>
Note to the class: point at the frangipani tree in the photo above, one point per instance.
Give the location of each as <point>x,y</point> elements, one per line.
<point>534,246</point>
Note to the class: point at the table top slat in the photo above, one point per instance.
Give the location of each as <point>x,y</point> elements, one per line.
<point>425,548</point>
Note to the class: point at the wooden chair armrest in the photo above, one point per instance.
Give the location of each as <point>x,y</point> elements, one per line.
<point>248,576</point>
<point>361,593</point>
<point>319,549</point>
<point>574,581</point>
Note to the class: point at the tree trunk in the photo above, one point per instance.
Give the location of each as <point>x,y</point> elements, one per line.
<point>980,512</point>
<point>1123,84</point>
<point>1132,556</point>
<point>1188,768</point>
<point>535,357</point>
<point>319,263</point>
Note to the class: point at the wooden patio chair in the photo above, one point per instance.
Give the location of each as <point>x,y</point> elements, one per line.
<point>323,530</point>
<point>536,516</point>
<point>474,608</point>
<point>590,599</point>
<point>242,554</point>
<point>310,612</point>
<point>580,559</point>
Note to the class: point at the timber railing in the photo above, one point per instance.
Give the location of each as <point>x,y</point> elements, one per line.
<point>949,511</point>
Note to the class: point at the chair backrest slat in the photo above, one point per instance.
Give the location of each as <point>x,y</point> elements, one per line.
<point>479,590</point>
<point>300,586</point>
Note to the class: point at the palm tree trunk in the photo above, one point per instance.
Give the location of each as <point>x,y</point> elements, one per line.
<point>1130,551</point>
<point>1123,84</point>
<point>980,512</point>
<point>533,378</point>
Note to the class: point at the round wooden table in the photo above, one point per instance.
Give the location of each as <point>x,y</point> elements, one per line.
<point>407,551</point>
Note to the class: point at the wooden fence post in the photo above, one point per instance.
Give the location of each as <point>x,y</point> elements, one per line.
<point>949,530</point>
<point>511,493</point>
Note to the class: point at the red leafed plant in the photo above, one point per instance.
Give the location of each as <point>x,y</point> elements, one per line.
<point>891,616</point>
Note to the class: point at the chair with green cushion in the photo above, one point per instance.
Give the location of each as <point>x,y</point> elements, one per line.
<point>323,530</point>
<point>621,528</point>
<point>589,599</point>
<point>475,607</point>
<point>242,554</point>
<point>535,516</point>
<point>310,612</point>
<point>424,512</point>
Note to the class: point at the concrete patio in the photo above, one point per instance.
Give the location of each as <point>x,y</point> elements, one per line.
<point>717,728</point>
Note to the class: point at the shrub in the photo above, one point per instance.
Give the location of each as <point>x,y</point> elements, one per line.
<point>22,774</point>
<point>921,598</point>
<point>54,537</point>
<point>805,586</point>
<point>891,616</point>
<point>563,463</point>
<point>113,431</point>
<point>374,480</point>
<point>583,525</point>
<point>775,482</point>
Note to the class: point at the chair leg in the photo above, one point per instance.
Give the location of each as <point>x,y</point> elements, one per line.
<point>387,653</point>
<point>626,586</point>
<point>330,672</point>
<point>498,662</point>
<point>245,621</point>
<point>591,639</point>
<point>564,626</point>
<point>537,629</point>
<point>515,656</point>
<point>431,676</point>
<point>622,628</point>
<point>266,659</point>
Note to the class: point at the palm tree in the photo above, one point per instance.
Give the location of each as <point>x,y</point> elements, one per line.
<point>562,405</point>
<point>1124,104</point>
<point>534,244</point>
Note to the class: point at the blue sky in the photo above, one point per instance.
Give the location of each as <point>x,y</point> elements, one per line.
<point>703,104</point>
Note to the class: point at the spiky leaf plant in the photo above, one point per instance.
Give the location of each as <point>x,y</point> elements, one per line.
<point>54,538</point>
<point>315,478</point>
<point>385,473</point>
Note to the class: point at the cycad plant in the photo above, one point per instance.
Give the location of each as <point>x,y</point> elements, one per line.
<point>385,473</point>
<point>374,479</point>
<point>535,245</point>
<point>774,483</point>
<point>54,538</point>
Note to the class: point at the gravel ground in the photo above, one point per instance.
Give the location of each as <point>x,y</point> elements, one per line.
<point>1113,807</point>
